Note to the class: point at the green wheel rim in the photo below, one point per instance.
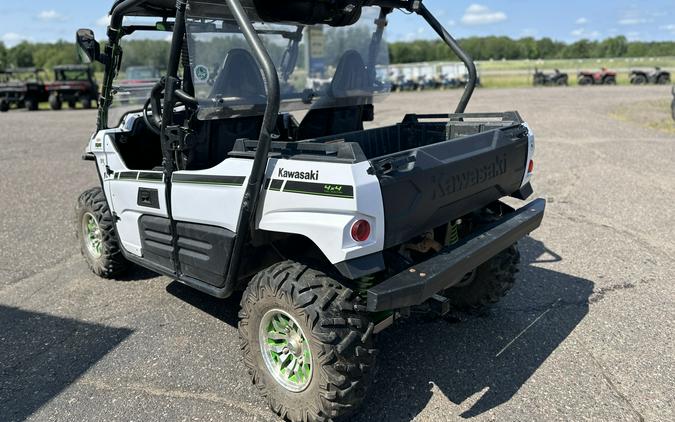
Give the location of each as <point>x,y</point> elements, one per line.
<point>91,233</point>
<point>285,350</point>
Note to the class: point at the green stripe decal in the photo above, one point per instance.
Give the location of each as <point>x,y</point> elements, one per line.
<point>320,189</point>
<point>128,175</point>
<point>209,180</point>
<point>274,184</point>
<point>156,177</point>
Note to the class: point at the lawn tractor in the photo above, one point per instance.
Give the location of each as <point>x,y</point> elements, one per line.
<point>72,84</point>
<point>231,175</point>
<point>22,88</point>
<point>557,78</point>
<point>657,77</point>
<point>603,77</point>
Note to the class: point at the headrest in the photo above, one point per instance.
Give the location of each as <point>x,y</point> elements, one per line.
<point>240,76</point>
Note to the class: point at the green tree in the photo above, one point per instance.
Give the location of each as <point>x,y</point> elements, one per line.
<point>3,56</point>
<point>21,55</point>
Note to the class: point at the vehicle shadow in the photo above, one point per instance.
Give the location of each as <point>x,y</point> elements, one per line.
<point>41,355</point>
<point>485,358</point>
<point>225,310</point>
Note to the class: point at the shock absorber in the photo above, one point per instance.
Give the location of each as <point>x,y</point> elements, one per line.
<point>362,285</point>
<point>452,233</point>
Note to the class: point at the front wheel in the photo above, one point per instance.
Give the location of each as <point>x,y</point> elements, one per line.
<point>55,102</point>
<point>488,283</point>
<point>307,348</point>
<point>32,104</point>
<point>95,231</point>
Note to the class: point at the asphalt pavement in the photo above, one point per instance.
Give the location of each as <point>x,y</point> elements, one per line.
<point>587,334</point>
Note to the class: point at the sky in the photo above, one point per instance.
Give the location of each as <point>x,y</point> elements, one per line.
<point>649,20</point>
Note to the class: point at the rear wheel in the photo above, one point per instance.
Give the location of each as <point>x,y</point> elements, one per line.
<point>585,81</point>
<point>31,104</point>
<point>55,102</point>
<point>307,348</point>
<point>4,106</point>
<point>488,283</point>
<point>639,80</point>
<point>95,231</point>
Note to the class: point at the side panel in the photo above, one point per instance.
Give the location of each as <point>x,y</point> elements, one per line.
<point>321,201</point>
<point>212,197</point>
<point>128,190</point>
<point>203,251</point>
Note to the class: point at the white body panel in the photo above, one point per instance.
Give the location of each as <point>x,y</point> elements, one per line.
<point>530,155</point>
<point>326,220</point>
<point>211,204</point>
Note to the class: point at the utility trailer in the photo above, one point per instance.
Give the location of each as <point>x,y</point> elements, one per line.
<point>331,230</point>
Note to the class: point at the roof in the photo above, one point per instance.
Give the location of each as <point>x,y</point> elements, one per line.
<point>159,8</point>
<point>306,12</point>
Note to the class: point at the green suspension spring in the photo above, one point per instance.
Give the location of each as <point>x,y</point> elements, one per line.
<point>363,284</point>
<point>452,234</point>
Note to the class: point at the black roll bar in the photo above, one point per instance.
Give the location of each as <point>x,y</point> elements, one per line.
<point>418,7</point>
<point>457,49</point>
<point>112,54</point>
<point>248,207</point>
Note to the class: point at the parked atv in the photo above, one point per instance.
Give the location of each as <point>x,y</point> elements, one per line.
<point>72,84</point>
<point>332,231</point>
<point>603,77</point>
<point>402,83</point>
<point>658,77</point>
<point>22,88</point>
<point>557,78</point>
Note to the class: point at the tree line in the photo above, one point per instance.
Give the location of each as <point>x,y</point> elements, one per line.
<point>155,52</point>
<point>498,48</point>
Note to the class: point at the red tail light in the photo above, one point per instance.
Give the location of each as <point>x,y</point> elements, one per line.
<point>361,231</point>
<point>530,167</point>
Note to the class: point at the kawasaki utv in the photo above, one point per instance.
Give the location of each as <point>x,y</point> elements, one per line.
<point>72,84</point>
<point>22,88</point>
<point>332,231</point>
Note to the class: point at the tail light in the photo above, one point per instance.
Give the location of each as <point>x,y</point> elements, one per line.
<point>361,230</point>
<point>530,167</point>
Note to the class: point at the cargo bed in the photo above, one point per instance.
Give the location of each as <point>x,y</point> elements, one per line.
<point>432,168</point>
<point>435,168</point>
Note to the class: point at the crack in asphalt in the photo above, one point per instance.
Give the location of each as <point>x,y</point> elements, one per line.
<point>179,394</point>
<point>612,386</point>
<point>656,249</point>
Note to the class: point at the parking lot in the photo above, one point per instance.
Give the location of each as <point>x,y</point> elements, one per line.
<point>587,334</point>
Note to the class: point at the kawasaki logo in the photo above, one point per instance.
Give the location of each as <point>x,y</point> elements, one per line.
<point>299,175</point>
<point>445,184</point>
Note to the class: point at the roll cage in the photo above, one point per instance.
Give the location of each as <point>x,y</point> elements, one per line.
<point>242,14</point>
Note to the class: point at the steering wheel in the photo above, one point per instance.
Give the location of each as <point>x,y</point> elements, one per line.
<point>154,104</point>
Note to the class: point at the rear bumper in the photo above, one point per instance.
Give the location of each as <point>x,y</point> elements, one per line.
<point>419,283</point>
